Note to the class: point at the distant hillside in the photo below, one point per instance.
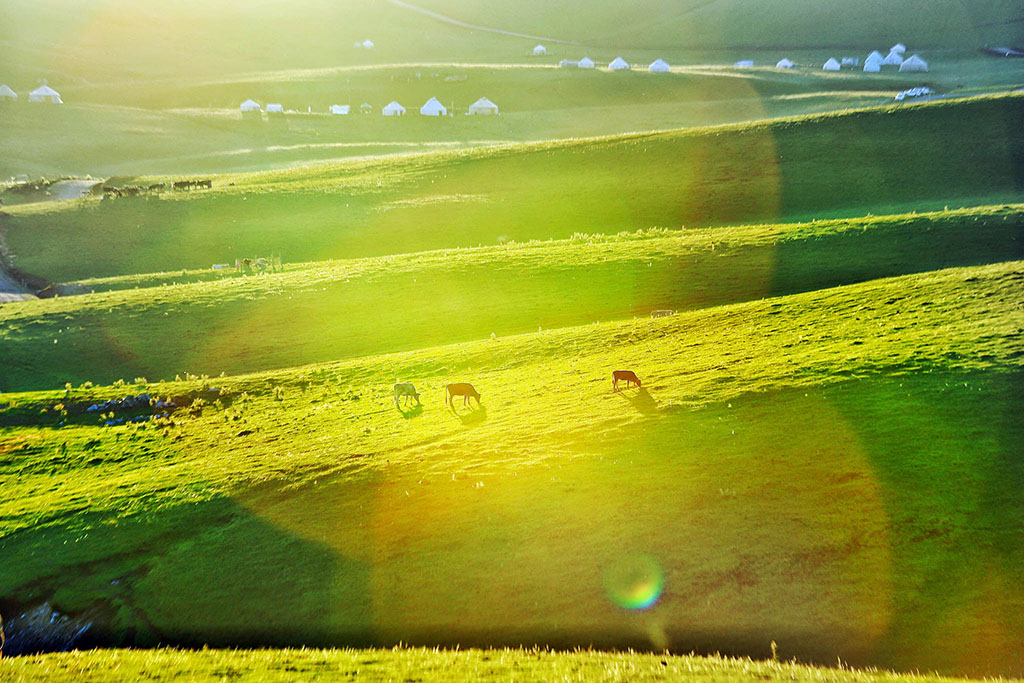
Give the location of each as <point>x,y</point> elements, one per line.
<point>751,23</point>
<point>882,160</point>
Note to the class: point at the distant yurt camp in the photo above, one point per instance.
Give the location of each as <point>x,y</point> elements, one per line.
<point>393,109</point>
<point>539,50</point>
<point>914,63</point>
<point>893,59</point>
<point>873,66</point>
<point>744,63</point>
<point>898,47</point>
<point>586,63</point>
<point>340,109</point>
<point>784,63</point>
<point>250,106</point>
<point>619,64</point>
<point>367,44</point>
<point>831,65</point>
<point>365,108</point>
<point>275,108</point>
<point>659,66</point>
<point>433,107</point>
<point>7,95</point>
<point>483,107</point>
<point>45,93</point>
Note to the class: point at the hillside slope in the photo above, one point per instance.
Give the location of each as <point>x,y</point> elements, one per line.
<point>883,160</point>
<point>327,311</point>
<point>835,470</point>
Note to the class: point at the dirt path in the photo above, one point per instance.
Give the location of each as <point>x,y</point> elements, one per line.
<point>474,27</point>
<point>11,289</point>
<point>71,189</point>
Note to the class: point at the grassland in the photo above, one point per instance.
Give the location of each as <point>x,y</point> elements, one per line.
<point>422,664</point>
<point>879,160</point>
<point>842,453</point>
<point>433,298</point>
<point>825,453</point>
<point>193,125</point>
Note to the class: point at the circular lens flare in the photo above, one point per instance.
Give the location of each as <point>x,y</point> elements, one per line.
<point>634,581</point>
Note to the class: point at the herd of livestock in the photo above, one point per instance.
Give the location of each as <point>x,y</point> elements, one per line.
<point>405,392</point>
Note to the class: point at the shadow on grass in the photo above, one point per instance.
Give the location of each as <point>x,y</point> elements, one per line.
<point>408,413</point>
<point>474,416</point>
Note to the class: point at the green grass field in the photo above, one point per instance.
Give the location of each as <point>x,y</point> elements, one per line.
<point>878,161</point>
<point>823,464</point>
<point>423,664</point>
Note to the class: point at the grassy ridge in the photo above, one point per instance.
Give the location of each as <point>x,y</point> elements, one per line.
<point>318,312</point>
<point>747,23</point>
<point>852,443</point>
<point>422,664</point>
<point>877,160</point>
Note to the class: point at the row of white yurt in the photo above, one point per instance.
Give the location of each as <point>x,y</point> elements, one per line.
<point>433,107</point>
<point>43,93</point>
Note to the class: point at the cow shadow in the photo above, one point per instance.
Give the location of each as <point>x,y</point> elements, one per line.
<point>643,402</point>
<point>472,417</point>
<point>408,413</point>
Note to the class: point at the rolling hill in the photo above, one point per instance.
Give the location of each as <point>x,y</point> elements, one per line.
<point>883,160</point>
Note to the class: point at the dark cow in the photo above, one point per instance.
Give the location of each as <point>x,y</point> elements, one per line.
<point>627,376</point>
<point>466,391</point>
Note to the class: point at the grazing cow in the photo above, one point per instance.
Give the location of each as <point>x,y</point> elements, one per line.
<point>204,184</point>
<point>662,313</point>
<point>627,376</point>
<point>460,389</point>
<point>181,185</point>
<point>406,390</point>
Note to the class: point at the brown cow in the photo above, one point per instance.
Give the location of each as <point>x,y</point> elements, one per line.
<point>627,376</point>
<point>460,389</point>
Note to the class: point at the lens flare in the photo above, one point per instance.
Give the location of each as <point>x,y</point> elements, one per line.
<point>634,581</point>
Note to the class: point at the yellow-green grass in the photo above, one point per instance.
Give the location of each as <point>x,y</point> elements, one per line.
<point>120,40</point>
<point>424,664</point>
<point>195,126</point>
<point>750,24</point>
<point>883,160</point>
<point>836,470</point>
<point>208,322</point>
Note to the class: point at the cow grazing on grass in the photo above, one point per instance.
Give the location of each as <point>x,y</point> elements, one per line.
<point>627,376</point>
<point>406,391</point>
<point>460,389</point>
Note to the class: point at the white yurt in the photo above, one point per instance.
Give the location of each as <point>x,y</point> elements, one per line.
<point>340,109</point>
<point>875,54</point>
<point>275,108</point>
<point>433,107</point>
<point>567,63</point>
<point>831,65</point>
<point>873,66</point>
<point>893,59</point>
<point>250,106</point>
<point>483,107</point>
<point>744,63</point>
<point>619,64</point>
<point>367,44</point>
<point>785,63</point>
<point>45,93</point>
<point>7,95</point>
<point>659,66</point>
<point>586,63</point>
<point>898,47</point>
<point>393,109</point>
<point>539,50</point>
<point>849,61</point>
<point>914,63</point>
<point>365,108</point>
